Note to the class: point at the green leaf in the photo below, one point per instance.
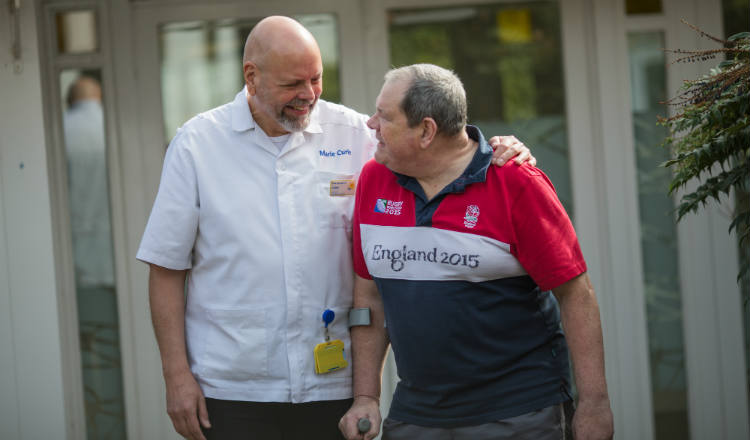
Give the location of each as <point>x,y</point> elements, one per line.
<point>709,135</point>
<point>739,36</point>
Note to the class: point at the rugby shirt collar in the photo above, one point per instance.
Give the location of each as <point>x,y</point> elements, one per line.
<point>475,172</point>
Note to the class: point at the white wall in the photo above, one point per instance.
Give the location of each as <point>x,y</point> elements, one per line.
<point>32,405</point>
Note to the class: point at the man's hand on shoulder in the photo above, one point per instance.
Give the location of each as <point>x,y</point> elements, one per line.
<point>186,405</point>
<point>508,147</point>
<point>593,420</point>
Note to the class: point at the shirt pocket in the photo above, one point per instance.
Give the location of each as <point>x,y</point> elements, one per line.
<point>333,211</point>
<point>235,345</point>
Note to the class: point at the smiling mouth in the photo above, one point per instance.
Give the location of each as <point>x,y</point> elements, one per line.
<point>299,109</point>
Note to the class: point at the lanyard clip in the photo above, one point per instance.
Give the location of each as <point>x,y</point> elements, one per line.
<point>328,317</point>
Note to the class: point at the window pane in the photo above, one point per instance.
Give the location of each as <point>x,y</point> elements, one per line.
<point>509,58</point>
<point>658,238</point>
<point>642,6</point>
<point>201,63</point>
<point>76,32</point>
<point>737,19</point>
<point>91,231</point>
<point>736,15</point>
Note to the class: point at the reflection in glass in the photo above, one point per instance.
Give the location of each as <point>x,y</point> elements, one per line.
<point>91,231</point>
<point>76,32</point>
<point>510,61</point>
<point>658,238</point>
<point>736,16</point>
<point>201,63</point>
<point>642,6</point>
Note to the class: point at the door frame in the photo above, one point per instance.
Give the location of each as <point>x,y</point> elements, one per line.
<point>53,64</point>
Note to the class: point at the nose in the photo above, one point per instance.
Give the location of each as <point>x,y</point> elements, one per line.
<point>307,91</point>
<point>373,122</point>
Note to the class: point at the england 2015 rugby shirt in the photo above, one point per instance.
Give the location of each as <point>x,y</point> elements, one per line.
<point>465,281</point>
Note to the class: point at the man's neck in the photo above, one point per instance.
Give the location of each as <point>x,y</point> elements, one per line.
<point>452,156</point>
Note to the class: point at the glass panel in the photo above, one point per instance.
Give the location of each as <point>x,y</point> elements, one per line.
<point>76,32</point>
<point>736,14</point>
<point>642,6</point>
<point>88,194</point>
<point>658,238</point>
<point>743,204</point>
<point>737,19</point>
<point>201,63</point>
<point>509,58</point>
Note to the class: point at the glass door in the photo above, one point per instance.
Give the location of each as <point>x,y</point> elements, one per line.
<point>509,57</point>
<point>659,242</point>
<point>82,173</point>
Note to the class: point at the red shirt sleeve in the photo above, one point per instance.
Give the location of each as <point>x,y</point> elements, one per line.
<point>358,258</point>
<point>545,241</point>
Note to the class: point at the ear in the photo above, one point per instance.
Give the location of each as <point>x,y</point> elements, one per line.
<point>429,131</point>
<point>250,72</point>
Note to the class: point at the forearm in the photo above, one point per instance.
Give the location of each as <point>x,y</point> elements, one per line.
<point>167,301</point>
<point>583,333</point>
<point>369,343</point>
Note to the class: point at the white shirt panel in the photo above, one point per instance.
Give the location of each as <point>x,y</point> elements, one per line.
<point>269,249</point>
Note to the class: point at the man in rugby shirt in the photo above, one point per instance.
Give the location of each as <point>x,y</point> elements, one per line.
<point>474,268</point>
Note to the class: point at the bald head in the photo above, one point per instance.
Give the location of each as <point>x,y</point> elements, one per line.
<point>84,88</point>
<point>283,73</point>
<point>280,36</point>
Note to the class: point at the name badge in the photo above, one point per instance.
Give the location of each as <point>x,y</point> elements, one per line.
<point>329,356</point>
<point>343,187</point>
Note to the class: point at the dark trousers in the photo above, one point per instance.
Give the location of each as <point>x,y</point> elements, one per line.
<point>551,423</point>
<point>234,420</point>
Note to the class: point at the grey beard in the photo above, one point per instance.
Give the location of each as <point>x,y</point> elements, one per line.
<point>292,124</point>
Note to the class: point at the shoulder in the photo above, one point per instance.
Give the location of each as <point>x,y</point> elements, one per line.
<point>520,178</point>
<point>331,114</point>
<point>203,127</point>
<point>374,170</point>
<point>218,118</point>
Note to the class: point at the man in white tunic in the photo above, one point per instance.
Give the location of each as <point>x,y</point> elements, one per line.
<point>254,214</point>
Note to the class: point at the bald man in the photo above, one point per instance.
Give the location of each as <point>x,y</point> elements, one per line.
<point>85,146</point>
<point>253,215</point>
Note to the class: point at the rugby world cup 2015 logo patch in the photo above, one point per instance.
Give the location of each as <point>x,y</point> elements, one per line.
<point>471,217</point>
<point>388,207</point>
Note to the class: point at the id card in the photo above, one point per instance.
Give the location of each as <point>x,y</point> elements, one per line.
<point>343,187</point>
<point>329,356</point>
